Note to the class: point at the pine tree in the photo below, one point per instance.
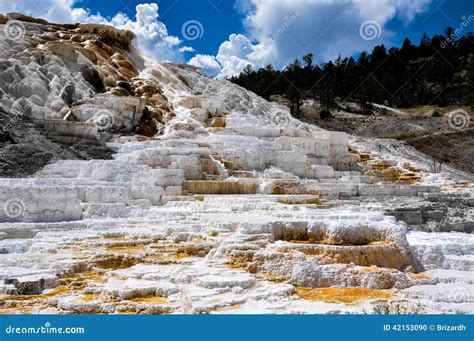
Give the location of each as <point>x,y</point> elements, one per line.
<point>434,72</point>
<point>308,59</point>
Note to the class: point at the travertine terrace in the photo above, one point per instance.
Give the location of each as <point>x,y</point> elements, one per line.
<point>216,200</point>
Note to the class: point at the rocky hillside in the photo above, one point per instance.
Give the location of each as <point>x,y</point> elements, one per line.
<point>26,146</point>
<point>52,76</point>
<point>444,133</point>
<point>215,200</point>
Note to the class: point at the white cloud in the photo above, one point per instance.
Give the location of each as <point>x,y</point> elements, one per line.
<point>288,29</point>
<point>233,55</point>
<point>207,63</point>
<point>186,49</point>
<point>325,28</point>
<point>152,36</point>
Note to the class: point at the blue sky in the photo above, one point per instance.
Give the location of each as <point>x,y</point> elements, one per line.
<point>233,33</point>
<point>218,17</point>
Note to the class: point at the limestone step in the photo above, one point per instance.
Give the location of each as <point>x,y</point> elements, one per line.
<point>112,210</point>
<point>39,203</point>
<point>238,186</point>
<point>395,190</point>
<point>141,203</point>
<point>452,276</point>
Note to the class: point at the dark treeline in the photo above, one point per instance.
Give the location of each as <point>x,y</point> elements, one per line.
<point>437,71</point>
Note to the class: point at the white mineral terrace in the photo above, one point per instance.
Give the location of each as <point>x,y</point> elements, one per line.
<point>236,208</point>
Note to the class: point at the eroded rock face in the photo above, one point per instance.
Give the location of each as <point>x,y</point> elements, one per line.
<point>226,205</point>
<point>26,147</point>
<point>56,71</point>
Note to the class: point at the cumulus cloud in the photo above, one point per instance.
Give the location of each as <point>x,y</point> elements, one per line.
<point>292,29</point>
<point>207,63</point>
<point>152,36</point>
<point>233,55</point>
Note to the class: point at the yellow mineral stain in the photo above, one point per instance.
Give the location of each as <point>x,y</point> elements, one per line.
<point>178,256</point>
<point>165,247</point>
<point>277,189</point>
<point>126,248</point>
<point>89,298</point>
<point>192,251</point>
<point>15,309</point>
<point>127,312</point>
<point>199,239</point>
<point>295,241</point>
<point>419,276</point>
<point>173,252</point>
<point>380,242</point>
<point>285,250</point>
<point>199,197</point>
<point>348,296</point>
<point>116,263</point>
<point>277,278</point>
<point>234,266</point>
<point>289,201</point>
<point>410,168</point>
<point>371,269</point>
<point>150,300</point>
<point>405,174</point>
